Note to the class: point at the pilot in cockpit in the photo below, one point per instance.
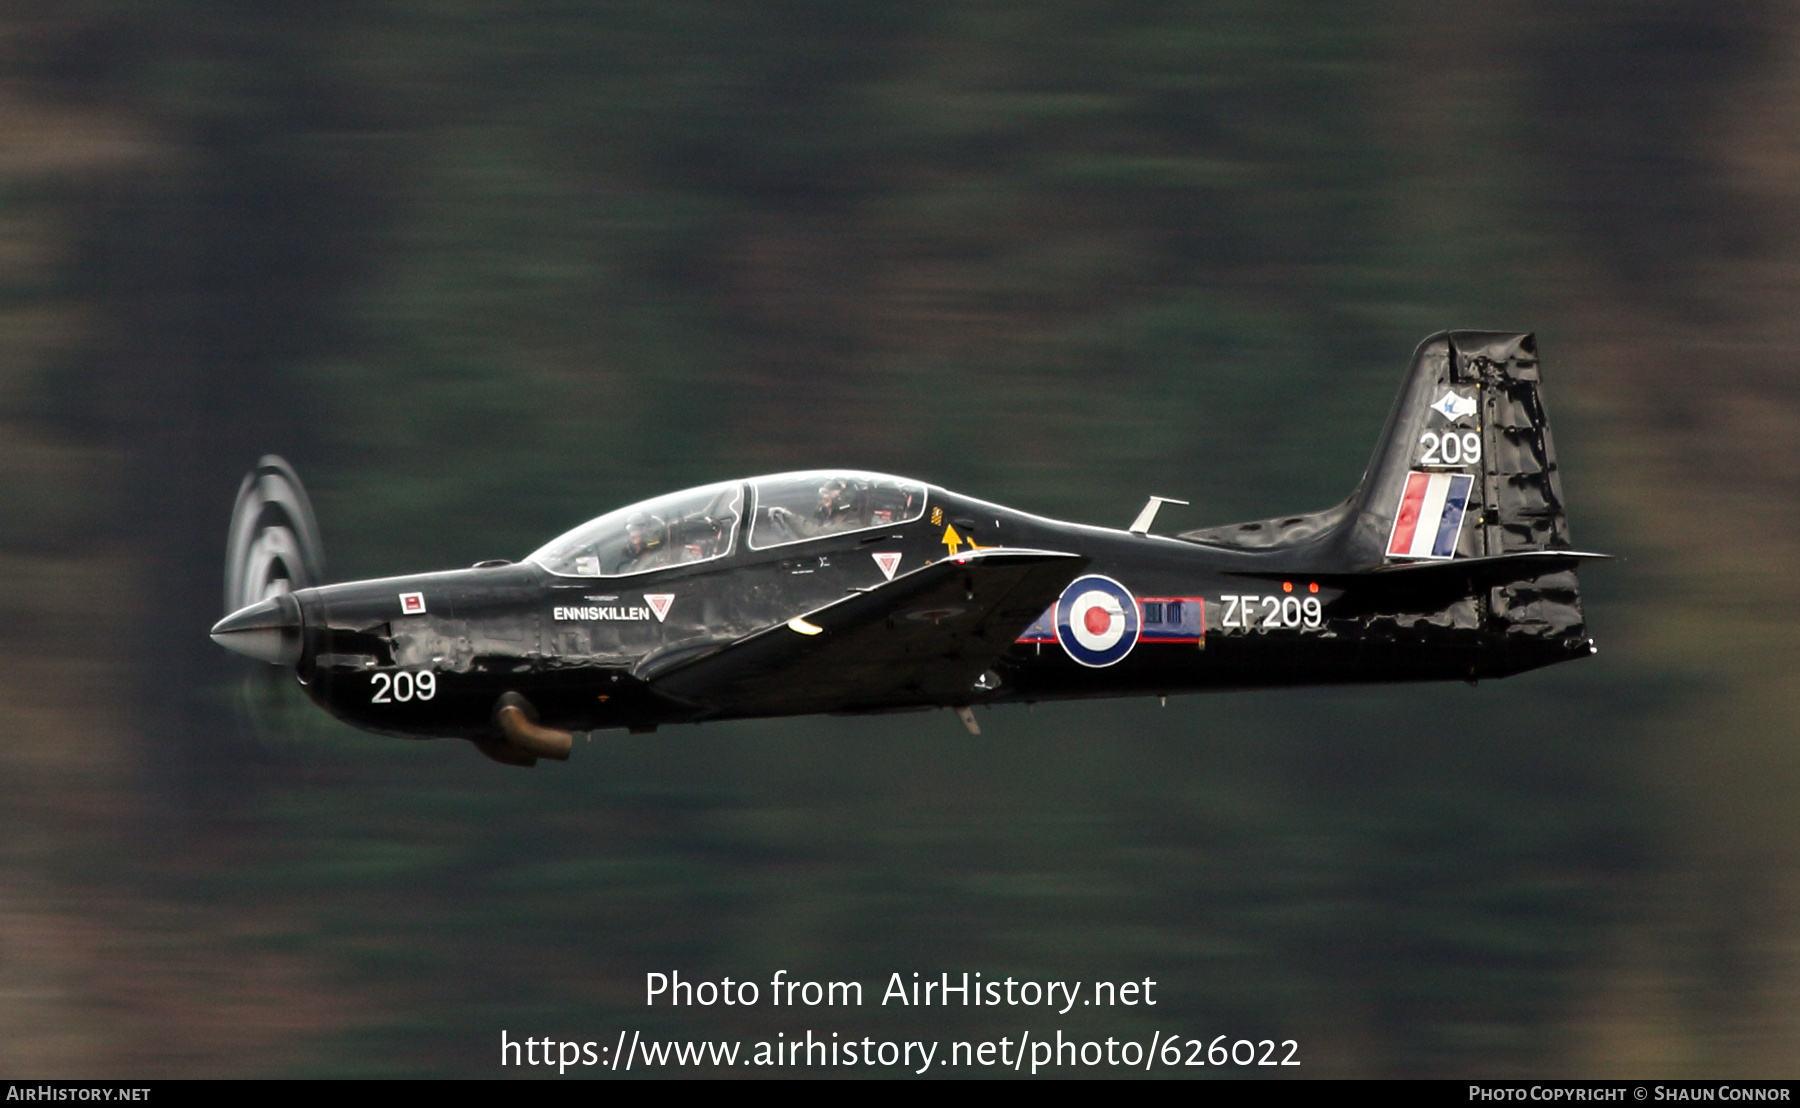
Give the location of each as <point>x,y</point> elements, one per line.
<point>646,544</point>
<point>837,506</point>
<point>836,510</point>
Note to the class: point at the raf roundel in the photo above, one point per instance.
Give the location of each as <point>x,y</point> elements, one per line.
<point>1097,620</point>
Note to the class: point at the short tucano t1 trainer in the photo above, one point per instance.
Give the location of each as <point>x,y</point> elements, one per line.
<point>850,592</point>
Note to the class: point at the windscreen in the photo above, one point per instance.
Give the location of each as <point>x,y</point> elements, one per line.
<point>674,530</point>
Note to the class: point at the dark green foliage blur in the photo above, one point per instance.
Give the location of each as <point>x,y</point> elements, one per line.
<point>484,270</point>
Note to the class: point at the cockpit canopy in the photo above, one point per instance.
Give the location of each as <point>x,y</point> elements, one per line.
<point>796,507</point>
<point>690,526</point>
<point>697,525</point>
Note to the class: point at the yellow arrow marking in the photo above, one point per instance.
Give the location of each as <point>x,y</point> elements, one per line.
<point>973,545</point>
<point>951,538</point>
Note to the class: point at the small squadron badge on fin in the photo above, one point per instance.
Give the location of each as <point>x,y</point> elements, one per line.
<point>1453,406</point>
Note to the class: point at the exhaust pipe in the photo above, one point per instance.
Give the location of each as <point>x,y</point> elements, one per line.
<point>518,722</point>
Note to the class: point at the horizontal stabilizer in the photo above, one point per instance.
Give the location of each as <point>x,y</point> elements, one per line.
<point>1482,571</point>
<point>1528,594</point>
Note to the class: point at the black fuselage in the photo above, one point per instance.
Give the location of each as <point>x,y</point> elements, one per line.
<point>1208,618</point>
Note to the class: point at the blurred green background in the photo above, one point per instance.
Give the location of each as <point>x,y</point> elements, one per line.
<point>483,270</point>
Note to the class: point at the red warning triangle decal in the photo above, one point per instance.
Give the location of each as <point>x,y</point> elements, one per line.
<point>889,561</point>
<point>659,603</point>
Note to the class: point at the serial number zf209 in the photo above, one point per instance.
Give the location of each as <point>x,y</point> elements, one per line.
<point>398,688</point>
<point>1251,612</point>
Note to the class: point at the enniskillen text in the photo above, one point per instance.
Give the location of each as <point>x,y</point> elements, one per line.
<point>902,990</point>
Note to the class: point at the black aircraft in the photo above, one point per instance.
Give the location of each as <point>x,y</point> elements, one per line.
<point>849,592</point>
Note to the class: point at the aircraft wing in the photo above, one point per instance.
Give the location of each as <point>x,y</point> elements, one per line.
<point>923,637</point>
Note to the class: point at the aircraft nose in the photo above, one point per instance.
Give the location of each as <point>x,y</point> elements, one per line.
<point>268,631</point>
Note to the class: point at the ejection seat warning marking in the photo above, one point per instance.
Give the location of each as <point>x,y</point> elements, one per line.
<point>889,561</point>
<point>659,603</point>
<point>412,603</point>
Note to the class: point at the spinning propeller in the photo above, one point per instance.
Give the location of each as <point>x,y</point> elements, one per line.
<point>273,549</point>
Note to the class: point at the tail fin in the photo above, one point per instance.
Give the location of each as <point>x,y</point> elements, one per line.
<point>1469,427</point>
<point>1465,468</point>
<point>1459,519</point>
